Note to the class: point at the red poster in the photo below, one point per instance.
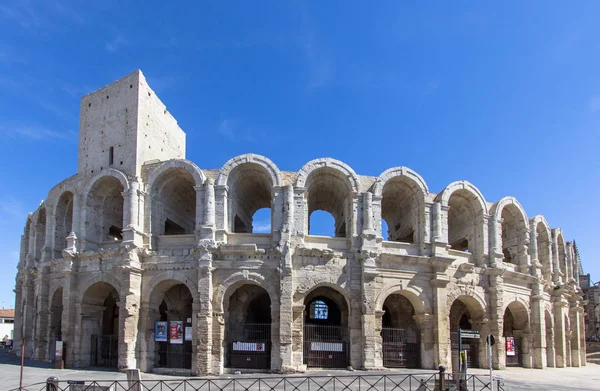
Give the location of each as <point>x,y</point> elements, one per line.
<point>510,346</point>
<point>176,332</point>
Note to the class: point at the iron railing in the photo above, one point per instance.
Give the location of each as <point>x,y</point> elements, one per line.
<point>325,346</point>
<point>438,381</point>
<point>249,346</point>
<point>400,348</point>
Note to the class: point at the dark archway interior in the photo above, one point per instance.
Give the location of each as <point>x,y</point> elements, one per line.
<point>460,317</point>
<point>248,328</point>
<point>327,190</point>
<point>63,220</point>
<point>513,227</point>
<point>250,189</point>
<point>400,210</point>
<point>399,334</point>
<point>104,204</point>
<point>176,309</point>
<point>462,212</point>
<point>40,233</point>
<point>56,309</point>
<point>174,203</point>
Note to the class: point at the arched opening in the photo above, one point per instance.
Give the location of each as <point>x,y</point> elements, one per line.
<point>326,336</point>
<point>100,326</point>
<point>63,220</point>
<point>515,333</point>
<point>463,312</point>
<point>104,206</point>
<point>549,339</point>
<point>173,203</point>
<point>261,221</point>
<point>401,208</point>
<point>543,248</point>
<point>248,328</point>
<point>55,332</point>
<point>250,189</point>
<point>463,230</point>
<point>321,223</point>
<point>40,233</point>
<point>400,334</point>
<point>171,316</point>
<point>327,189</point>
<point>514,230</point>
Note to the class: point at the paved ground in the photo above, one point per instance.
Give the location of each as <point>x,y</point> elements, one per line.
<point>516,379</point>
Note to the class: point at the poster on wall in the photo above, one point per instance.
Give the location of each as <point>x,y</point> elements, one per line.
<point>510,346</point>
<point>160,331</point>
<point>176,332</point>
<point>188,333</point>
<point>58,350</point>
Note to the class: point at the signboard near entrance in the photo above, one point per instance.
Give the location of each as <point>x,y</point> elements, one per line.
<point>176,332</point>
<point>327,346</point>
<point>58,351</point>
<point>510,346</point>
<point>249,346</point>
<point>469,334</point>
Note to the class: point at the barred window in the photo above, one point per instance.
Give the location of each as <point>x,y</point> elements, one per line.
<point>319,310</point>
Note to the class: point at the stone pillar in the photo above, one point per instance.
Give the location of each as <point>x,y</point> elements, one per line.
<point>582,345</point>
<point>550,354</point>
<point>286,287</point>
<point>559,333</point>
<point>131,216</point>
<point>497,317</point>
<point>495,238</point>
<point>42,322</point>
<point>524,260</point>
<point>221,212</point>
<point>481,230</point>
<point>425,323</point>
<point>129,305</point>
<point>438,232</point>
<point>441,327</point>
<point>371,318</point>
<point>19,316</point>
<point>538,327</point>
<point>205,229</point>
<point>203,313</point>
<point>556,272</point>
<point>300,212</point>
<point>575,340</point>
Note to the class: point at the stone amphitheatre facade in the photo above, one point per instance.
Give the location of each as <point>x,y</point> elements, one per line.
<point>144,260</point>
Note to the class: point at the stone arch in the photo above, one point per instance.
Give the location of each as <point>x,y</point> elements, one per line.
<point>410,292</point>
<point>100,324</point>
<point>262,161</point>
<point>403,193</point>
<point>188,166</point>
<point>541,233</point>
<point>169,299</point>
<point>41,222</point>
<point>466,311</point>
<point>316,164</point>
<point>515,325</point>
<point>104,208</point>
<point>514,227</point>
<point>181,277</point>
<point>329,185</point>
<point>562,254</point>
<point>236,280</point>
<point>109,172</point>
<point>104,277</point>
<point>465,223</point>
<point>63,219</point>
<point>172,199</point>
<point>250,179</point>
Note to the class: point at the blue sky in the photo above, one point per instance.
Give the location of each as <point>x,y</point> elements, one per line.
<point>504,95</point>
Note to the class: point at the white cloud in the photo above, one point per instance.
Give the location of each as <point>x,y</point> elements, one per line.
<point>35,132</point>
<point>261,227</point>
<point>118,42</point>
<point>227,129</point>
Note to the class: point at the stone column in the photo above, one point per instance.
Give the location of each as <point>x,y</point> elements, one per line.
<point>496,291</point>
<point>300,212</point>
<point>221,212</point>
<point>42,322</point>
<point>550,354</point>
<point>205,229</point>
<point>538,327</point>
<point>203,312</point>
<point>438,232</point>
<point>425,323</point>
<point>19,316</point>
<point>286,287</point>
<point>482,224</point>
<point>371,318</point>
<point>523,250</point>
<point>495,240</point>
<point>441,327</point>
<point>129,305</point>
<point>131,216</point>
<point>575,340</point>
<point>556,275</point>
<point>559,333</point>
<point>582,350</point>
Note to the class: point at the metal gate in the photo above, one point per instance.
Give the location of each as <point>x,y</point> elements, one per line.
<point>104,351</point>
<point>175,355</point>
<point>400,348</point>
<point>249,346</point>
<point>516,360</point>
<point>325,346</point>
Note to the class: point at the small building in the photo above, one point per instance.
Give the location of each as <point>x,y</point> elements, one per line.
<point>7,323</point>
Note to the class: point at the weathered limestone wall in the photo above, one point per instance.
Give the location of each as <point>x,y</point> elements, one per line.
<point>81,280</point>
